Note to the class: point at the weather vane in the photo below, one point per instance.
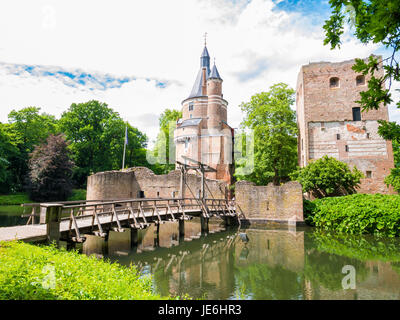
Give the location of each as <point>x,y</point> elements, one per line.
<point>205,38</point>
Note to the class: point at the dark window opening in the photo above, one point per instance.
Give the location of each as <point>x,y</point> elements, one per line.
<point>158,194</point>
<point>368,174</point>
<point>191,107</point>
<point>367,135</point>
<point>357,114</point>
<point>360,80</point>
<point>334,82</point>
<point>337,136</point>
<point>347,148</point>
<point>140,194</point>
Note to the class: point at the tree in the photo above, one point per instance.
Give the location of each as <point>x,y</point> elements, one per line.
<point>97,137</point>
<point>328,177</point>
<point>8,150</point>
<point>164,150</point>
<point>273,122</point>
<point>50,170</point>
<point>26,128</point>
<point>376,21</point>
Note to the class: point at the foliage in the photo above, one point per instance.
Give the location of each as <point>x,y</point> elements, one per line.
<point>14,199</point>
<point>273,122</point>
<point>24,269</point>
<point>164,149</point>
<point>97,135</point>
<point>50,170</point>
<point>358,214</point>
<point>376,21</point>
<point>26,129</point>
<point>328,177</point>
<point>8,150</point>
<point>391,131</point>
<point>77,194</point>
<point>363,248</point>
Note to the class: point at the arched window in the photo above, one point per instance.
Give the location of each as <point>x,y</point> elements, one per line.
<point>360,80</point>
<point>334,82</point>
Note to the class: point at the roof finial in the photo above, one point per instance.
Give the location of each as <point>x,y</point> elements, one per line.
<point>205,39</point>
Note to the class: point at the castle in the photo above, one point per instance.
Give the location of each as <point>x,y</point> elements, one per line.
<point>331,123</point>
<point>203,134</point>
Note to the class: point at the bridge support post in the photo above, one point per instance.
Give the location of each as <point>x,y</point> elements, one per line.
<point>181,228</point>
<point>134,237</point>
<point>50,214</point>
<point>204,224</point>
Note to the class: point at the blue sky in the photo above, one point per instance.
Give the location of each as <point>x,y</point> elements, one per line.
<point>141,57</point>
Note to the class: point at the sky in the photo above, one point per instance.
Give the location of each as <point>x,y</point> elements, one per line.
<point>141,57</point>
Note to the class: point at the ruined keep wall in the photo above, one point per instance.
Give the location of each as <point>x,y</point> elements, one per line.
<point>113,185</point>
<point>272,203</point>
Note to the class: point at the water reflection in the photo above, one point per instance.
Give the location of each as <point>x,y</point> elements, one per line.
<point>269,264</point>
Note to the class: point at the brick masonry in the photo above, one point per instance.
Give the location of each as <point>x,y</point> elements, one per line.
<point>128,183</point>
<point>272,203</point>
<point>327,127</point>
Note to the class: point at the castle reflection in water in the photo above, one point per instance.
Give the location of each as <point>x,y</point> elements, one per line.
<point>273,264</point>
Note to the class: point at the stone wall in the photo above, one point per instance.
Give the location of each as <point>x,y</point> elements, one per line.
<point>128,183</point>
<point>272,203</point>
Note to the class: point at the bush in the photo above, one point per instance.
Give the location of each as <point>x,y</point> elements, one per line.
<point>357,214</point>
<point>77,194</point>
<point>24,274</point>
<point>328,177</point>
<point>393,179</point>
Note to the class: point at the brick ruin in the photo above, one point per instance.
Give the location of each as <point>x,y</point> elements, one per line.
<point>257,203</point>
<point>331,122</point>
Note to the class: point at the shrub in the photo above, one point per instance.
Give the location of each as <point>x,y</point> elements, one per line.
<point>50,171</point>
<point>328,177</point>
<point>393,179</point>
<point>24,270</point>
<point>357,214</point>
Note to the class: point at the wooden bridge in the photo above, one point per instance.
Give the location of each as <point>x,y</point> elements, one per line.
<point>72,220</point>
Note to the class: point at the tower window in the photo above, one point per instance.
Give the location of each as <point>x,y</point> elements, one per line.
<point>190,116</point>
<point>368,135</point>
<point>337,136</point>
<point>347,148</point>
<point>334,82</point>
<point>368,174</point>
<point>356,114</point>
<point>360,80</point>
<point>190,106</point>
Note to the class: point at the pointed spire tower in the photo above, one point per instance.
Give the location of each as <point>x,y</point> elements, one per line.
<point>203,133</point>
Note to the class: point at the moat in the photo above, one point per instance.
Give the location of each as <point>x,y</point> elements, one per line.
<point>255,262</point>
<point>260,263</point>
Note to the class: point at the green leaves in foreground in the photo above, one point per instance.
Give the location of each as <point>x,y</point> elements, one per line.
<point>24,268</point>
<point>357,214</point>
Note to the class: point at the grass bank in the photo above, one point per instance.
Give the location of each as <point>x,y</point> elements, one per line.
<point>356,214</point>
<point>44,272</point>
<point>22,197</point>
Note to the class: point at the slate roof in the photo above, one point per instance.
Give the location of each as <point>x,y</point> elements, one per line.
<point>190,122</point>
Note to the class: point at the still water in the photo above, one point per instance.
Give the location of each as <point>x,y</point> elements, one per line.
<point>259,263</point>
<point>11,216</point>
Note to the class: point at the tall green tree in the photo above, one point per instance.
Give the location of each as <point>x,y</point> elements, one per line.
<point>273,122</point>
<point>164,148</point>
<point>8,150</point>
<point>97,135</point>
<point>372,21</point>
<point>27,128</point>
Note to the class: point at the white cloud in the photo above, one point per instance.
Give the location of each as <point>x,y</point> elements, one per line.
<point>255,45</point>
